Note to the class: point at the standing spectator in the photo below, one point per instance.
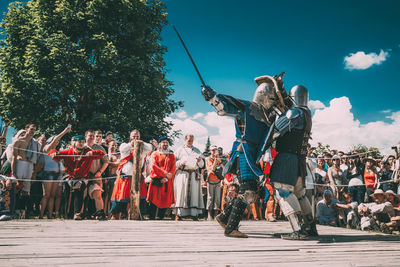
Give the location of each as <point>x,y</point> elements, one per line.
<point>161,191</point>
<point>370,176</point>
<point>24,156</point>
<point>122,187</point>
<point>356,184</point>
<point>344,164</point>
<point>386,177</point>
<point>214,177</point>
<point>52,174</point>
<point>109,138</point>
<point>78,160</point>
<point>336,178</point>
<point>311,165</point>
<point>321,178</point>
<point>269,199</point>
<point>111,172</point>
<point>326,211</point>
<point>4,136</point>
<point>97,168</point>
<point>188,193</point>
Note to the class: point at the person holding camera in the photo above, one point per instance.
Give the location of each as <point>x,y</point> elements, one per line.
<point>214,177</point>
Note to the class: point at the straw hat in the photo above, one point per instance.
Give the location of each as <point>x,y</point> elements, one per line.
<point>377,192</point>
<point>390,192</point>
<point>370,159</point>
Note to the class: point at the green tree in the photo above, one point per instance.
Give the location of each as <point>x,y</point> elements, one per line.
<point>320,149</point>
<point>372,151</point>
<point>207,148</point>
<point>90,63</point>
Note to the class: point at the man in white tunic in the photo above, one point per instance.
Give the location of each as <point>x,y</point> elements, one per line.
<point>187,184</point>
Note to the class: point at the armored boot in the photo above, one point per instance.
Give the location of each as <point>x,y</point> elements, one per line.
<point>223,217</point>
<point>296,235</point>
<point>232,228</point>
<point>309,227</point>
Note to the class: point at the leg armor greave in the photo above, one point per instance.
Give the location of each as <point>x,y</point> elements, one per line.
<point>239,205</point>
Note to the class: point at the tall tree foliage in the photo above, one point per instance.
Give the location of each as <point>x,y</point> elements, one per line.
<point>90,63</point>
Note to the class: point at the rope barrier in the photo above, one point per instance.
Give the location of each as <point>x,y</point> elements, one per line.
<point>42,153</point>
<point>345,185</point>
<point>63,180</point>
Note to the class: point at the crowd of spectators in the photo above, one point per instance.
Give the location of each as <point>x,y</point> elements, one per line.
<point>355,190</point>
<point>89,178</point>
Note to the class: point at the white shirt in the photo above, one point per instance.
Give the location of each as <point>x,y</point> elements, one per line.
<point>125,150</point>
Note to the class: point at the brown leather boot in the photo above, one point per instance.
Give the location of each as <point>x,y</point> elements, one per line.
<point>221,223</point>
<point>237,234</point>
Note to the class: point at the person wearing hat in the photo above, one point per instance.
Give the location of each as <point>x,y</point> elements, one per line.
<point>376,214</point>
<point>77,160</point>
<point>160,195</point>
<point>370,176</point>
<point>214,177</point>
<point>394,223</point>
<point>52,172</point>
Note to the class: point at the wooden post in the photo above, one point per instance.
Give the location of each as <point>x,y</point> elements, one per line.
<point>134,207</point>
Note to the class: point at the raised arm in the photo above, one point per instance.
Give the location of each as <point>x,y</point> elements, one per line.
<point>56,140</point>
<point>225,105</point>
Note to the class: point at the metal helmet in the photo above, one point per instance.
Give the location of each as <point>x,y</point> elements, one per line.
<point>299,94</point>
<point>265,93</point>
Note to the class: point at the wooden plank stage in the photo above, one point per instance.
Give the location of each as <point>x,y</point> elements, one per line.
<point>186,243</point>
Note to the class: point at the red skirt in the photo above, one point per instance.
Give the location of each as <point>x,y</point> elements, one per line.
<point>122,189</point>
<point>163,197</point>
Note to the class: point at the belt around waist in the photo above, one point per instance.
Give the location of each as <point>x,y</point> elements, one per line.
<point>240,140</point>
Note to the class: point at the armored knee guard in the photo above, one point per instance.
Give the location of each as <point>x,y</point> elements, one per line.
<point>288,202</point>
<point>290,207</point>
<point>238,207</point>
<point>305,205</point>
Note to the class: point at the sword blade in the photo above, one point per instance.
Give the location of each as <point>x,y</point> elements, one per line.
<point>190,57</point>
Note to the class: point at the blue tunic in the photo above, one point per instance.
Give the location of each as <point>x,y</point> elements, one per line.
<point>255,132</point>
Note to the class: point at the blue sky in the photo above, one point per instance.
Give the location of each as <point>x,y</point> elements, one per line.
<point>233,42</point>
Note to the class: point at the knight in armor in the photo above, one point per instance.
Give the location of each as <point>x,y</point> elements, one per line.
<point>252,122</point>
<point>292,131</point>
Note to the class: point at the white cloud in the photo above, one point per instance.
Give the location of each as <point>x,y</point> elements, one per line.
<point>315,104</point>
<point>182,114</point>
<point>362,61</point>
<point>220,129</point>
<point>335,125</point>
<point>198,115</point>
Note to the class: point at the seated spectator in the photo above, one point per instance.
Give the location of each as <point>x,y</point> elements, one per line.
<point>326,211</point>
<point>376,214</point>
<point>349,211</point>
<point>394,223</point>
